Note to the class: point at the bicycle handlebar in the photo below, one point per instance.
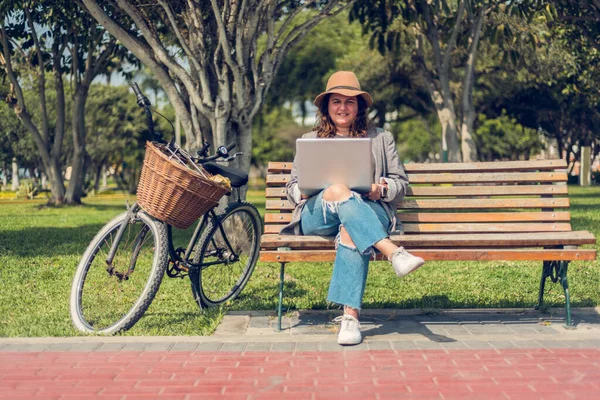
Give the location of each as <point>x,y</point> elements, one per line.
<point>143,102</point>
<point>222,152</point>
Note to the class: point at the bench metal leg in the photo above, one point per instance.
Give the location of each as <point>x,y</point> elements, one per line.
<point>280,305</point>
<point>549,270</point>
<point>562,274</point>
<point>556,271</point>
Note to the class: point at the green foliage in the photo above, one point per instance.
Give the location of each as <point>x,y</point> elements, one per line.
<point>117,133</point>
<point>418,139</point>
<point>304,70</point>
<point>503,138</point>
<point>274,132</point>
<point>15,139</point>
<point>28,190</point>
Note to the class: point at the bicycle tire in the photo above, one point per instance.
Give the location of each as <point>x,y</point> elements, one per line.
<point>217,284</point>
<point>104,303</point>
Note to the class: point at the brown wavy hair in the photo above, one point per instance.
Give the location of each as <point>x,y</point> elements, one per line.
<point>325,127</point>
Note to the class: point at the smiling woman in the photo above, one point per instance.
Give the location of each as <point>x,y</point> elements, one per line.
<point>361,223</point>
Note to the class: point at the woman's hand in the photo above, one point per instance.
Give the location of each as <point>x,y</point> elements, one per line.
<point>375,193</point>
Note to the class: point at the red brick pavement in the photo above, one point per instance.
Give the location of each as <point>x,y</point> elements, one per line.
<point>419,374</point>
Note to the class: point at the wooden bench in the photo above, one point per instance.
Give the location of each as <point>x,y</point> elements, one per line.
<point>484,211</point>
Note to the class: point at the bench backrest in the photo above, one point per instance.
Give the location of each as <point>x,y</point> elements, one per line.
<point>507,196</point>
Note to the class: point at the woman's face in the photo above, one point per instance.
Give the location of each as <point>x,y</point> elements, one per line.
<point>342,110</point>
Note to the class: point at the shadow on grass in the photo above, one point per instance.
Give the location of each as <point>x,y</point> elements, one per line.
<point>47,242</point>
<point>106,207</point>
<point>266,297</point>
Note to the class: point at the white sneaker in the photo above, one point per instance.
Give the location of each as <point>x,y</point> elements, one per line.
<point>404,263</point>
<point>349,332</point>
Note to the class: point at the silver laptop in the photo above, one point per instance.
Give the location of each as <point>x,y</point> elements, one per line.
<point>323,162</point>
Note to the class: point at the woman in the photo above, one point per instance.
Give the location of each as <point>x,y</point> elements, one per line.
<point>361,223</point>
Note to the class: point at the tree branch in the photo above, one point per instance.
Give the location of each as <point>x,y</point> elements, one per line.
<point>226,48</point>
<point>160,52</point>
<point>20,108</point>
<point>143,53</point>
<point>470,65</point>
<point>452,41</point>
<point>178,34</point>
<point>42,77</point>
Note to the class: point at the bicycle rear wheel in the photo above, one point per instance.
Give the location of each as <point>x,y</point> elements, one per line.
<point>229,251</point>
<point>107,299</point>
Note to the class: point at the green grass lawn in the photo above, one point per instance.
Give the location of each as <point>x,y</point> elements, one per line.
<point>40,248</point>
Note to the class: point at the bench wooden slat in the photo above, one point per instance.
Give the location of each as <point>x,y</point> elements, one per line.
<point>561,216</point>
<point>443,255</point>
<point>449,191</point>
<point>490,177</point>
<point>501,177</point>
<point>502,166</point>
<point>484,203</point>
<point>466,227</point>
<point>455,204</point>
<point>572,238</point>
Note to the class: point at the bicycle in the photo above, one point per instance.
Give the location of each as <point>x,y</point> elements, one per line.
<point>122,268</point>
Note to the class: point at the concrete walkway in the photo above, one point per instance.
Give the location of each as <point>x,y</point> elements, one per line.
<point>458,354</point>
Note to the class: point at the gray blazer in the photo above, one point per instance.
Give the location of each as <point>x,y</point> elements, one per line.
<point>387,168</point>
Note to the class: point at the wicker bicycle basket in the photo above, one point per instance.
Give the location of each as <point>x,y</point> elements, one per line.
<point>173,193</point>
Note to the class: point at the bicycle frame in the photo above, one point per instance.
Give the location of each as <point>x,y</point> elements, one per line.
<point>185,260</point>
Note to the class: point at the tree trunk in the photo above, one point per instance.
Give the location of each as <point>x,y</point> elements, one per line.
<point>33,176</point>
<point>15,175</point>
<point>447,118</point>
<point>77,181</point>
<point>4,175</point>
<point>469,150</point>
<point>104,177</point>
<point>585,169</point>
<point>97,176</point>
<point>245,144</point>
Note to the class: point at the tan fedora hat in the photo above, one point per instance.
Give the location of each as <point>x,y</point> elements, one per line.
<point>346,83</point>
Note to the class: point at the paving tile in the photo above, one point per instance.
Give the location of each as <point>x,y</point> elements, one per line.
<point>111,347</point>
<point>454,345</point>
<point>527,344</point>
<point>477,344</point>
<point>330,346</point>
<point>404,345</point>
<point>25,347</point>
<point>260,322</point>
<point>429,345</point>
<point>552,344</point>
<point>184,346</point>
<point>503,344</point>
<point>208,346</point>
<point>135,346</point>
<point>307,346</point>
<point>160,346</point>
<point>59,347</point>
<point>260,346</point>
<point>379,345</point>
<point>84,347</point>
<point>283,346</point>
<point>237,347</point>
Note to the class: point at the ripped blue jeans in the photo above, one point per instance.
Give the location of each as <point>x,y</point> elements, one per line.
<point>366,222</point>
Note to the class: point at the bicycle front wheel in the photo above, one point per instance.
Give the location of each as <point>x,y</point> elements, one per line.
<point>106,298</point>
<point>228,254</point>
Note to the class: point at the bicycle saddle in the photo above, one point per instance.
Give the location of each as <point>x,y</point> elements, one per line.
<point>237,177</point>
